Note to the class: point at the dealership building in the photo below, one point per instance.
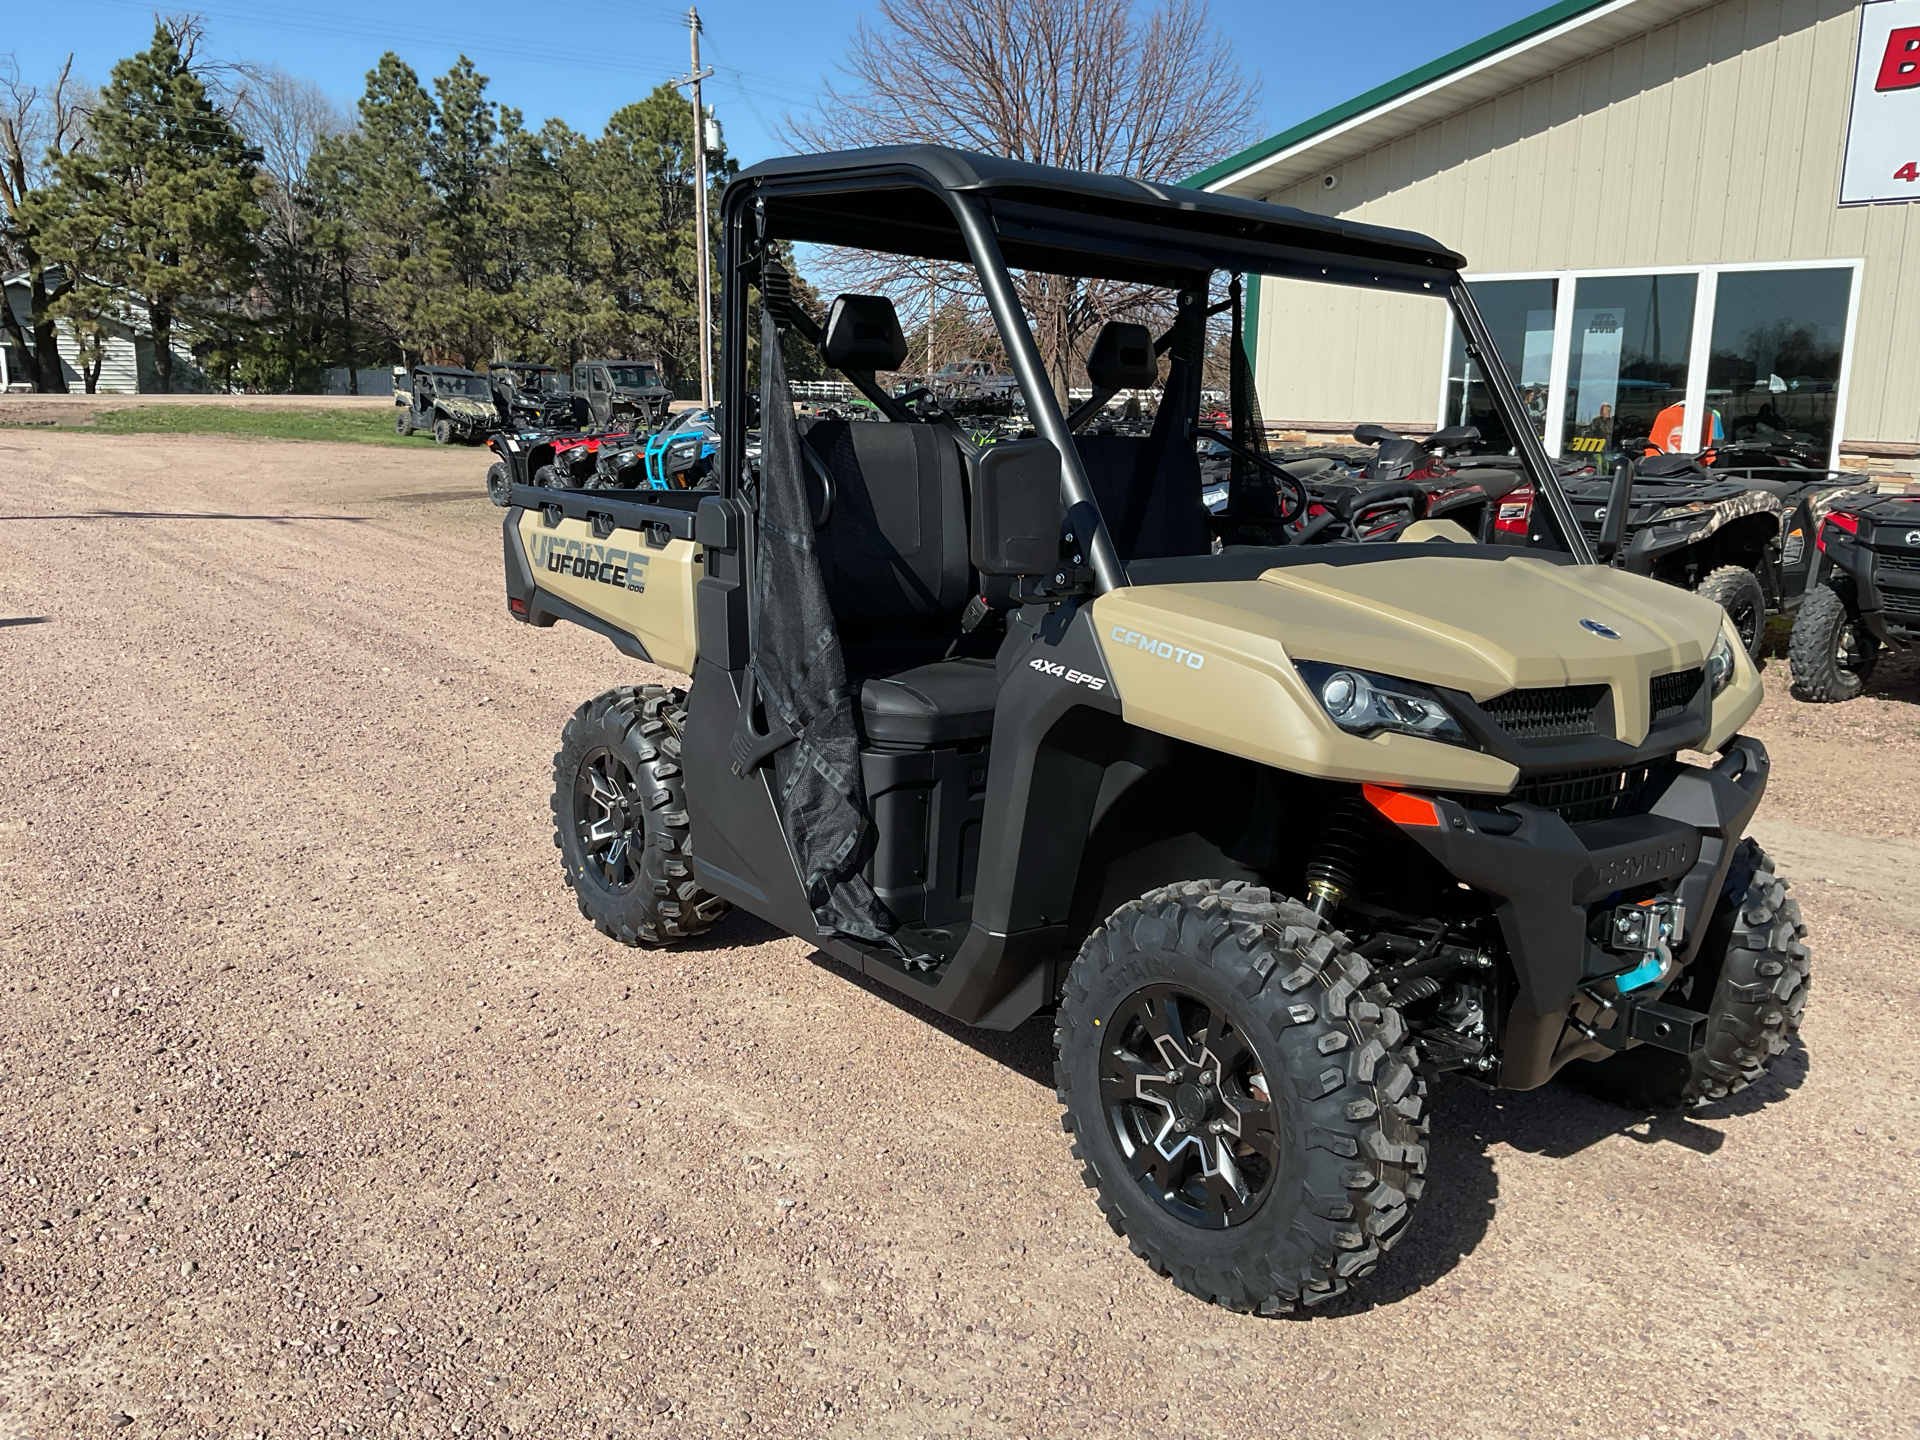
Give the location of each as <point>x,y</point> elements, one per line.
<point>1693,219</point>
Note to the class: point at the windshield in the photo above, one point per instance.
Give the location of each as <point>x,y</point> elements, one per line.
<point>632,377</point>
<point>473,385</point>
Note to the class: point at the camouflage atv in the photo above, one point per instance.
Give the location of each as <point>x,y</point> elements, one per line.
<point>450,403</point>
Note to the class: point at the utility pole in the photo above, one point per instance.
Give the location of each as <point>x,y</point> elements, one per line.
<point>704,279</point>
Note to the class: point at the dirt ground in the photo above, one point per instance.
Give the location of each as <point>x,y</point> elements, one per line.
<point>323,1114</point>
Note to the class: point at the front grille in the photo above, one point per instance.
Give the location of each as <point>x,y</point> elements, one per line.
<point>1908,563</point>
<point>1672,694</point>
<point>1582,795</point>
<point>1547,712</point>
<point>1899,602</point>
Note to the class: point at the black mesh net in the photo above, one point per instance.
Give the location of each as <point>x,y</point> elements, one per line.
<point>800,677</point>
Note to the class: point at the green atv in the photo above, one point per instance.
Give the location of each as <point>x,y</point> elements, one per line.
<point>1276,828</point>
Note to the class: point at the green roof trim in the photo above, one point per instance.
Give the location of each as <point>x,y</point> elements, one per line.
<point>1466,55</point>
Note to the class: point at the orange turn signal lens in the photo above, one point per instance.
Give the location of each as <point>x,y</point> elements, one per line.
<point>1401,807</point>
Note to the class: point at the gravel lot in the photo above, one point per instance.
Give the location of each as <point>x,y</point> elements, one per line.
<point>322,1113</point>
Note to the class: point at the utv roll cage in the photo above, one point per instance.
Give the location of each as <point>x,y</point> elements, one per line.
<point>930,202</point>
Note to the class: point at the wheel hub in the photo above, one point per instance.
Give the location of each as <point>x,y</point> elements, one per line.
<point>1189,1106</point>
<point>606,815</point>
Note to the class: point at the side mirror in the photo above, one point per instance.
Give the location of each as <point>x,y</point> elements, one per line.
<point>1016,509</point>
<point>1613,530</point>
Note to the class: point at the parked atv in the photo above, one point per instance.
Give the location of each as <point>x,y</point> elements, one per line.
<point>454,404</point>
<point>535,397</point>
<point>555,459</point>
<point>1276,832</point>
<point>1864,593</point>
<point>622,394</point>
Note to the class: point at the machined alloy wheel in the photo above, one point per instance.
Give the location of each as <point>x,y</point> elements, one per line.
<point>1188,1105</point>
<point>608,819</point>
<point>620,818</point>
<point>1244,1102</point>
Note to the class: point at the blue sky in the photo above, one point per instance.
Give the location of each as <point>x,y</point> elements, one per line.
<point>583,59</point>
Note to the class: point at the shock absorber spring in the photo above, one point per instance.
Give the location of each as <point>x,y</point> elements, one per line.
<point>1334,872</point>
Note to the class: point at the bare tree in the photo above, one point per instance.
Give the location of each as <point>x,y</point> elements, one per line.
<point>1080,84</point>
<point>37,123</point>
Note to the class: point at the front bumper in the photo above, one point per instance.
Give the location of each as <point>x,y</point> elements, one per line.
<point>1550,877</point>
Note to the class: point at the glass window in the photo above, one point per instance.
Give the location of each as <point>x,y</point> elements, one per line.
<point>1627,366</point>
<point>1777,340</point>
<point>1519,315</point>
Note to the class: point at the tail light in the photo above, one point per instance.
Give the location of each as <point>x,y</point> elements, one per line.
<point>1515,511</point>
<point>1840,520</point>
<point>517,606</point>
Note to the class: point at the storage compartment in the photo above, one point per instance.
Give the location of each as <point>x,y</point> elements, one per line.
<point>927,808</point>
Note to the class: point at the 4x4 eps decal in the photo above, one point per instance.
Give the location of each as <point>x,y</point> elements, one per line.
<point>1072,677</point>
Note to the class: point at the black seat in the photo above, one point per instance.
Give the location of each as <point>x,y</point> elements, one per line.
<point>944,703</point>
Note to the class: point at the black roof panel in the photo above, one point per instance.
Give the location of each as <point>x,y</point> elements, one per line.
<point>889,198</point>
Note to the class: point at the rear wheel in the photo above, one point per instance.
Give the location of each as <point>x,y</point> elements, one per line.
<point>1750,978</point>
<point>1832,650</point>
<point>620,818</point>
<point>499,484</point>
<point>1737,590</point>
<point>1249,1115</point>
<point>403,422</point>
<point>443,431</point>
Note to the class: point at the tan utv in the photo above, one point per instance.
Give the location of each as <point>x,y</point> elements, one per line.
<point>1279,823</point>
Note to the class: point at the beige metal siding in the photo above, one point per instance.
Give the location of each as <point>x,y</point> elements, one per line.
<point>1714,139</point>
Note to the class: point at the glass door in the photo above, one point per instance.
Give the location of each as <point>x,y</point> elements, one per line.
<point>1626,384</point>
<point>1519,314</point>
<point>1773,372</point>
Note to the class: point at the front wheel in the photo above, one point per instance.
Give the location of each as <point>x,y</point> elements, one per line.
<point>443,432</point>
<point>620,818</point>
<point>1832,650</point>
<point>1249,1115</point>
<point>499,484</point>
<point>1750,978</point>
<point>1737,590</point>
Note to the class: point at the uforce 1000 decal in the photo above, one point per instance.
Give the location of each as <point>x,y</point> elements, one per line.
<point>622,569</point>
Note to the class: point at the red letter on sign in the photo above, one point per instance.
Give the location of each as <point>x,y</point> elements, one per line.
<point>1900,66</point>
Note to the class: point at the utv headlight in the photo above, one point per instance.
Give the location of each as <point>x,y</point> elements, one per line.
<point>1720,665</point>
<point>1363,703</point>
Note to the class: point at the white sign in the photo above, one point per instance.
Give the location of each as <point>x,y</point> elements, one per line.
<point>1883,135</point>
<point>1600,333</point>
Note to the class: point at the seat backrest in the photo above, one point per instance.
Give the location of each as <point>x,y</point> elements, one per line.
<point>895,547</point>
<point>1148,494</point>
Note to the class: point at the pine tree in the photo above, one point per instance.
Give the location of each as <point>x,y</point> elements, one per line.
<point>371,188</point>
<point>162,205</point>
